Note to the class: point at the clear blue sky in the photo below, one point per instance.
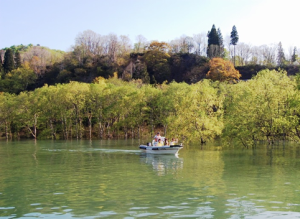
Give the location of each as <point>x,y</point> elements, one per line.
<point>56,23</point>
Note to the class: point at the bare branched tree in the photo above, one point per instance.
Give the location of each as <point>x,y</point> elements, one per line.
<point>140,44</point>
<point>200,43</point>
<point>90,42</point>
<point>243,51</point>
<point>125,45</point>
<point>269,54</point>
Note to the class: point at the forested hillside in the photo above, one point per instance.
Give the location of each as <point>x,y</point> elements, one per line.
<point>185,59</point>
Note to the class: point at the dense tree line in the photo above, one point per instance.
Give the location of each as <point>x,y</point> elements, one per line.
<point>263,108</point>
<point>112,108</point>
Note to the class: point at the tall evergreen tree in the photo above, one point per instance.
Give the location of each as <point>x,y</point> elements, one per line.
<point>8,64</point>
<point>280,55</point>
<point>234,40</point>
<point>213,37</point>
<point>213,43</point>
<point>18,59</point>
<point>294,56</point>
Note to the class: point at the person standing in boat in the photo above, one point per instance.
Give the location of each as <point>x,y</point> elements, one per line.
<point>157,137</point>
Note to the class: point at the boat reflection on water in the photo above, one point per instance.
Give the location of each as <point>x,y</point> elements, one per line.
<point>163,164</point>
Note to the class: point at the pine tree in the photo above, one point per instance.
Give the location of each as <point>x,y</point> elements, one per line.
<point>280,55</point>
<point>18,63</point>
<point>213,37</point>
<point>234,40</point>
<point>8,64</point>
<point>213,48</point>
<point>294,56</point>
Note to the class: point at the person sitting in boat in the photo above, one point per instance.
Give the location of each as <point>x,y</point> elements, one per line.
<point>160,142</point>
<point>173,142</point>
<point>166,141</point>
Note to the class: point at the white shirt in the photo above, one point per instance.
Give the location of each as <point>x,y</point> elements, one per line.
<point>157,137</point>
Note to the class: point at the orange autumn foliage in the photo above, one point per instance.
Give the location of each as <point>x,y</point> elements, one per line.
<point>222,70</point>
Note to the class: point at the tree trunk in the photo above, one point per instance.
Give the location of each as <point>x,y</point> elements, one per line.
<point>132,132</point>
<point>234,55</point>
<point>63,128</point>
<point>108,129</point>
<point>66,128</point>
<point>152,126</point>
<point>165,130</point>
<point>100,126</point>
<point>80,131</point>
<point>90,125</point>
<point>52,129</point>
<point>32,132</point>
<point>76,120</point>
<point>76,125</point>
<point>6,130</point>
<point>125,132</point>
<point>35,124</point>
<point>100,130</point>
<point>71,129</point>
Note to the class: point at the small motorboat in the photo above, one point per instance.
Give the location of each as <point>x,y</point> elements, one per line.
<point>167,149</point>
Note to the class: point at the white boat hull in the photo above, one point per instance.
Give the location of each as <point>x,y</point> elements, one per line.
<point>173,149</point>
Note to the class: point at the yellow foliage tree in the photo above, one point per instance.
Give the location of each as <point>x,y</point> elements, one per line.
<point>222,70</point>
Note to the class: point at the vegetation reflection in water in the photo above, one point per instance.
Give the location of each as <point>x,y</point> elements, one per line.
<point>114,179</point>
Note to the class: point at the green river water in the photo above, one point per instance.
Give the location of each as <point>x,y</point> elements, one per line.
<point>113,179</point>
